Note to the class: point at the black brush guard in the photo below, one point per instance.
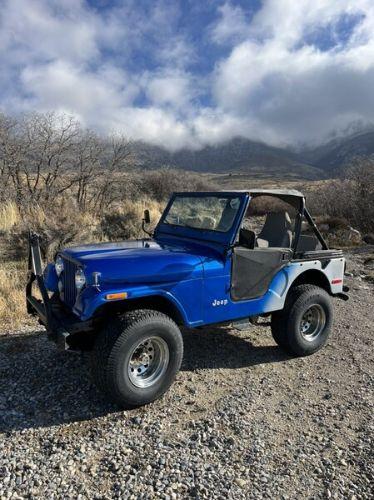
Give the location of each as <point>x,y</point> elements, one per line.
<point>58,321</point>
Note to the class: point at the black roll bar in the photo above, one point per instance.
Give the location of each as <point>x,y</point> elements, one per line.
<point>317,232</point>
<point>35,273</point>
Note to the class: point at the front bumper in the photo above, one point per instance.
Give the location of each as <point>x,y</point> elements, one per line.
<point>60,323</point>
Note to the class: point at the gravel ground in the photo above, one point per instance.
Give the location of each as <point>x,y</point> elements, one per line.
<point>242,419</point>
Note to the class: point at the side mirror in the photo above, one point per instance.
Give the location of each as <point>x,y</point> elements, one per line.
<point>247,238</point>
<point>146,220</point>
<point>147,217</point>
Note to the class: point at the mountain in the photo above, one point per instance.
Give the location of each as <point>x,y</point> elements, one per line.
<point>237,155</point>
<point>338,153</point>
<point>245,156</point>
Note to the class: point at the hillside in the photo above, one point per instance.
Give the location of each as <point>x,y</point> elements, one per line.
<point>334,155</point>
<point>238,155</point>
<point>245,157</point>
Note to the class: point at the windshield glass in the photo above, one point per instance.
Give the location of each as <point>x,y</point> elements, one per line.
<point>212,213</point>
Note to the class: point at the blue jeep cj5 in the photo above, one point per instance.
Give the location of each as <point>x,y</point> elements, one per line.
<point>214,257</point>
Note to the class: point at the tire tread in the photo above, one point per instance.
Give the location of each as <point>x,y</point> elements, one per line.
<point>280,319</point>
<point>109,342</point>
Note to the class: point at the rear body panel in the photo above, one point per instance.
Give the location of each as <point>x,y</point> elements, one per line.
<point>219,305</point>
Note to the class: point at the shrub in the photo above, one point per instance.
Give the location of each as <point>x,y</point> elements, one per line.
<point>62,225</point>
<point>350,198</point>
<point>116,226</point>
<point>126,221</point>
<point>332,222</point>
<point>159,184</point>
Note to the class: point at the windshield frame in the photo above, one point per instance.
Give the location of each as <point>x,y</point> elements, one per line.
<point>164,227</point>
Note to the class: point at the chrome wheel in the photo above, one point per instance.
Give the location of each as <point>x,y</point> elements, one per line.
<point>313,322</point>
<point>148,362</point>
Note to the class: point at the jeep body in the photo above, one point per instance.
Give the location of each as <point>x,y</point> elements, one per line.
<point>201,266</point>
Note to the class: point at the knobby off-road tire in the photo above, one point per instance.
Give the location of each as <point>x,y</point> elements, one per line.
<point>136,357</point>
<point>304,325</point>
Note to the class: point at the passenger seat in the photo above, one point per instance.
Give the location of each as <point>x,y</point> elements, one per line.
<point>277,231</point>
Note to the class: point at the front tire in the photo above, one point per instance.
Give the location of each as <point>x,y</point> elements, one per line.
<point>136,357</point>
<point>304,325</point>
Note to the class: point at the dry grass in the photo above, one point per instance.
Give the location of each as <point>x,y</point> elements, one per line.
<point>9,216</point>
<point>125,221</point>
<point>62,226</point>
<point>12,295</point>
<point>155,209</point>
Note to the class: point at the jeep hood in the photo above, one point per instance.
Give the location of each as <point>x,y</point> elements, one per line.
<point>139,261</point>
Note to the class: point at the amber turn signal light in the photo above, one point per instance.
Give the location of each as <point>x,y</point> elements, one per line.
<point>116,296</point>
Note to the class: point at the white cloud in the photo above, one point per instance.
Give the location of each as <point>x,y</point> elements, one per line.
<point>156,126</point>
<point>40,29</point>
<point>77,91</point>
<point>291,92</point>
<point>232,25</point>
<point>171,88</point>
<point>273,78</point>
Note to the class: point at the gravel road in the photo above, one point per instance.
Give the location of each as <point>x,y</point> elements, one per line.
<point>242,420</point>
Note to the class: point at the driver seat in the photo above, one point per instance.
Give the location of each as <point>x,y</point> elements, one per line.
<point>277,231</point>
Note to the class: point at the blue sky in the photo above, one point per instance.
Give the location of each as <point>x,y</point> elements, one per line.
<point>190,73</point>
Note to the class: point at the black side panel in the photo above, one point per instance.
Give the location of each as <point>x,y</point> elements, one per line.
<point>253,270</point>
<point>319,255</point>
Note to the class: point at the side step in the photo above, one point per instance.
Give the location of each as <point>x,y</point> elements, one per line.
<point>242,324</point>
<point>245,323</point>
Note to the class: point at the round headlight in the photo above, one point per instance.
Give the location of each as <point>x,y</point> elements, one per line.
<point>59,265</point>
<point>80,279</point>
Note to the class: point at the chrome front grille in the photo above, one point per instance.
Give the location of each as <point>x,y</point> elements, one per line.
<point>68,281</point>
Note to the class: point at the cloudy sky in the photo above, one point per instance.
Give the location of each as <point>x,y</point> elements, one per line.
<point>192,72</point>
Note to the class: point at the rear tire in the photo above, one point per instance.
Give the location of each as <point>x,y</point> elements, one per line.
<point>304,325</point>
<point>136,357</point>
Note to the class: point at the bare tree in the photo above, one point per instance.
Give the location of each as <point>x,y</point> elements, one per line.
<point>89,149</point>
<point>45,156</point>
<point>50,153</point>
<point>117,160</point>
<point>361,177</point>
<point>350,197</point>
<point>12,152</point>
<point>36,156</point>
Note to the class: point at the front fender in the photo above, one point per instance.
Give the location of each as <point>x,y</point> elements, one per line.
<point>92,299</point>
